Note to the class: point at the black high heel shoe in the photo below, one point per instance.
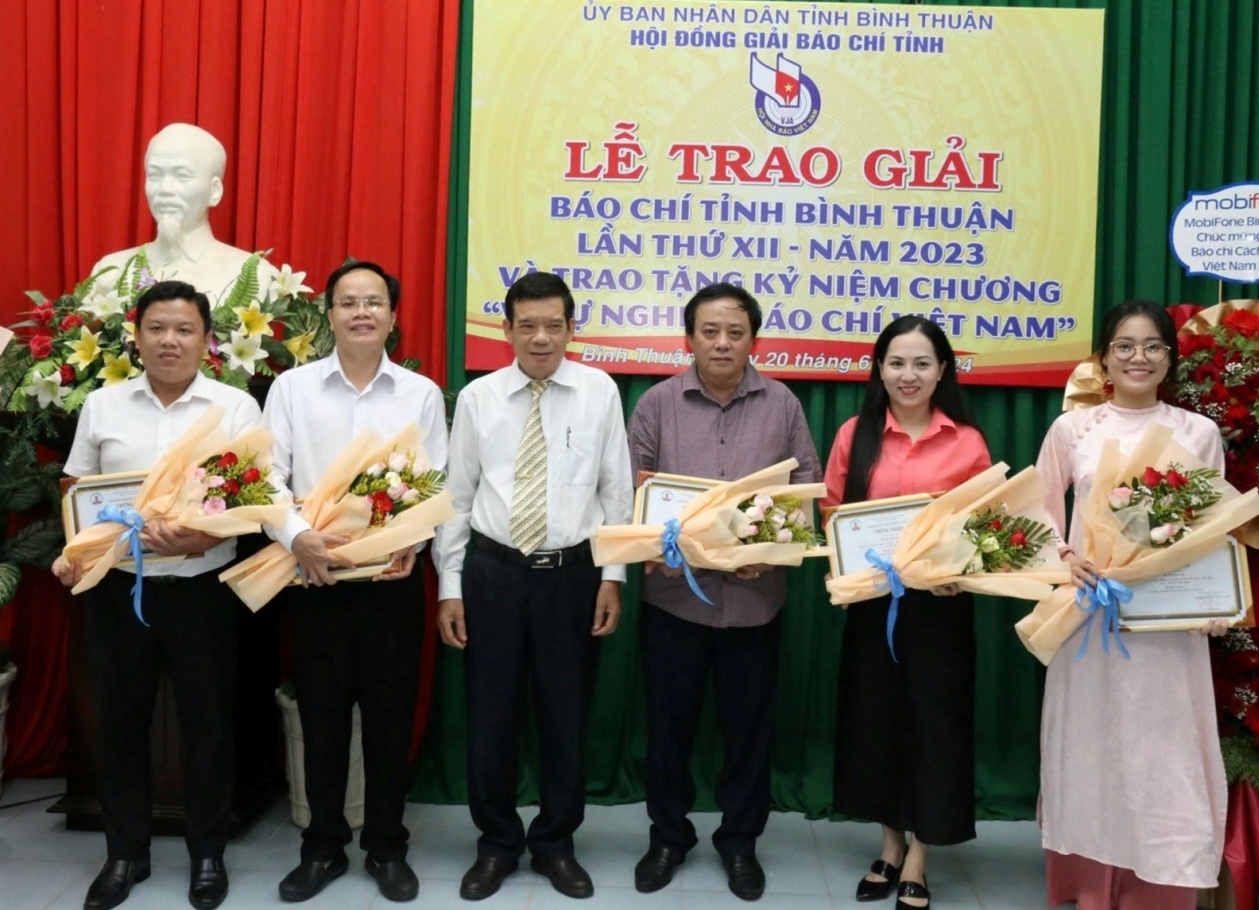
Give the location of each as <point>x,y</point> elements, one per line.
<point>877,891</point>
<point>913,889</point>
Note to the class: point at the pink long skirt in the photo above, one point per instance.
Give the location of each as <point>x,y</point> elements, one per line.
<point>1096,886</point>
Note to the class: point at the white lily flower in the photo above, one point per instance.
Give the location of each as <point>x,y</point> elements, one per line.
<point>288,283</point>
<point>48,389</point>
<point>244,351</point>
<point>104,302</point>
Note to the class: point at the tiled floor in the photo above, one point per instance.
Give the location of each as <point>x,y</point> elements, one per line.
<point>810,865</point>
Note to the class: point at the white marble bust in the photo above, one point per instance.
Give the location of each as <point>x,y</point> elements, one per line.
<point>183,180</point>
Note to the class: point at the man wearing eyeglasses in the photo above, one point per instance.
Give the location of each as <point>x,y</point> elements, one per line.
<point>353,640</point>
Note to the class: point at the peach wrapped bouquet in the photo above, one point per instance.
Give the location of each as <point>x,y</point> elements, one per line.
<point>175,490</point>
<point>988,536</point>
<point>350,501</point>
<point>1148,513</point>
<point>760,518</point>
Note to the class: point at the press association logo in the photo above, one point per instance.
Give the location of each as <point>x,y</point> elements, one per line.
<point>787,101</point>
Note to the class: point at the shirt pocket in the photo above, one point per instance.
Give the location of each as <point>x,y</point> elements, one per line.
<point>581,458</point>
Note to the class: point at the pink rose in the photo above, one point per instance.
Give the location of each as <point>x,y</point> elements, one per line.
<point>784,536</point>
<point>1120,497</point>
<point>397,462</point>
<point>214,481</point>
<point>749,531</point>
<point>200,474</point>
<point>213,505</point>
<point>1163,533</point>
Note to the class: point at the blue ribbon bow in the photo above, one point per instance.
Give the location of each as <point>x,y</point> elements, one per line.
<point>673,556</point>
<point>893,584</point>
<point>125,515</point>
<point>1106,596</point>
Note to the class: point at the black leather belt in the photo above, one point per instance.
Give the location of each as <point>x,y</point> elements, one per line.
<point>538,559</point>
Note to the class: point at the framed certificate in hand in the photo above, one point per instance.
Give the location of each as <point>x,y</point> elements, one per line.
<point>84,498</point>
<point>1217,586</point>
<point>660,497</point>
<point>851,530</point>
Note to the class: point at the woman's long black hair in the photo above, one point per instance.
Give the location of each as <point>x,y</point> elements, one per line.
<point>867,440</point>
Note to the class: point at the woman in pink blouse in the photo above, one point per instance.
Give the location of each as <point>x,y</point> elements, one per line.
<point>1132,783</point>
<point>904,738</point>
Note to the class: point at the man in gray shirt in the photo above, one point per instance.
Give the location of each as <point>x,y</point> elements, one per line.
<point>722,420</point>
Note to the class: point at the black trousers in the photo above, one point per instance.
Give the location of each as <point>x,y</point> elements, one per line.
<point>357,641</point>
<point>192,638</point>
<point>677,657</point>
<point>528,628</point>
<point>905,731</point>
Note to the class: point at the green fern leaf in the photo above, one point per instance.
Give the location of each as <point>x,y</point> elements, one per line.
<point>246,287</point>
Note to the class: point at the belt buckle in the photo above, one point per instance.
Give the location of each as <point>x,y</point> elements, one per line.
<point>542,559</point>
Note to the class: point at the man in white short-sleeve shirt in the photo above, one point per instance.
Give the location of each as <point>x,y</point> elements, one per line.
<point>192,619</point>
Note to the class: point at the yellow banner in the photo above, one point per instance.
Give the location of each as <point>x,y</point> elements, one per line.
<point>845,163</point>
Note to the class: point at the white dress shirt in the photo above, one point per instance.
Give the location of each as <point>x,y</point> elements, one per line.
<point>125,427</point>
<point>314,412</point>
<point>587,460</point>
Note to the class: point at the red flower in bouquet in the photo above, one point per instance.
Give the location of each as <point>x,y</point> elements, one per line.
<point>45,313</point>
<point>1018,538</point>
<point>227,460</point>
<point>253,475</point>
<point>67,374</point>
<point>1192,344</point>
<point>231,487</point>
<point>73,321</point>
<point>1208,374</point>
<point>1151,478</point>
<point>41,346</point>
<point>1175,479</point>
<point>1244,322</point>
<point>381,503</point>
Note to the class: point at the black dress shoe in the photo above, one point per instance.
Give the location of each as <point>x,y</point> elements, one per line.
<point>208,886</point>
<point>310,877</point>
<point>877,891</point>
<point>396,880</point>
<point>655,869</point>
<point>112,885</point>
<point>745,876</point>
<point>485,877</point>
<point>566,875</point>
<point>913,889</point>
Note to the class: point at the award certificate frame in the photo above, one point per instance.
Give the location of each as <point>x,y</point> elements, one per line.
<point>851,530</point>
<point>83,499</point>
<point>1217,586</point>
<point>660,497</point>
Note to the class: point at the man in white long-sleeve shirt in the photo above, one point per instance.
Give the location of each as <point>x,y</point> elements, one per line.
<point>538,460</point>
<point>353,640</point>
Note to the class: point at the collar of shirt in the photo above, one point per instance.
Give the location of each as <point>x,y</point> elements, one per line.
<point>198,388</point>
<point>752,381</point>
<point>939,422</point>
<point>332,368</point>
<point>565,375</point>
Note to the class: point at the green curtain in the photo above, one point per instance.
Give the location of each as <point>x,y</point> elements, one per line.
<point>1180,111</point>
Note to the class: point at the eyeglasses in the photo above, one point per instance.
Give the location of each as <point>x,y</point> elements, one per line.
<point>350,304</point>
<point>1156,352</point>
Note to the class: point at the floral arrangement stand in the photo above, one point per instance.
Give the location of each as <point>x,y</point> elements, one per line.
<point>355,787</point>
<point>1219,378</point>
<point>7,675</point>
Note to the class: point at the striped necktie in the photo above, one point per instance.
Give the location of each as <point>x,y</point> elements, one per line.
<point>528,500</point>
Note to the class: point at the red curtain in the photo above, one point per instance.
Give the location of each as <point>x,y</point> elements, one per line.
<point>336,118</point>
